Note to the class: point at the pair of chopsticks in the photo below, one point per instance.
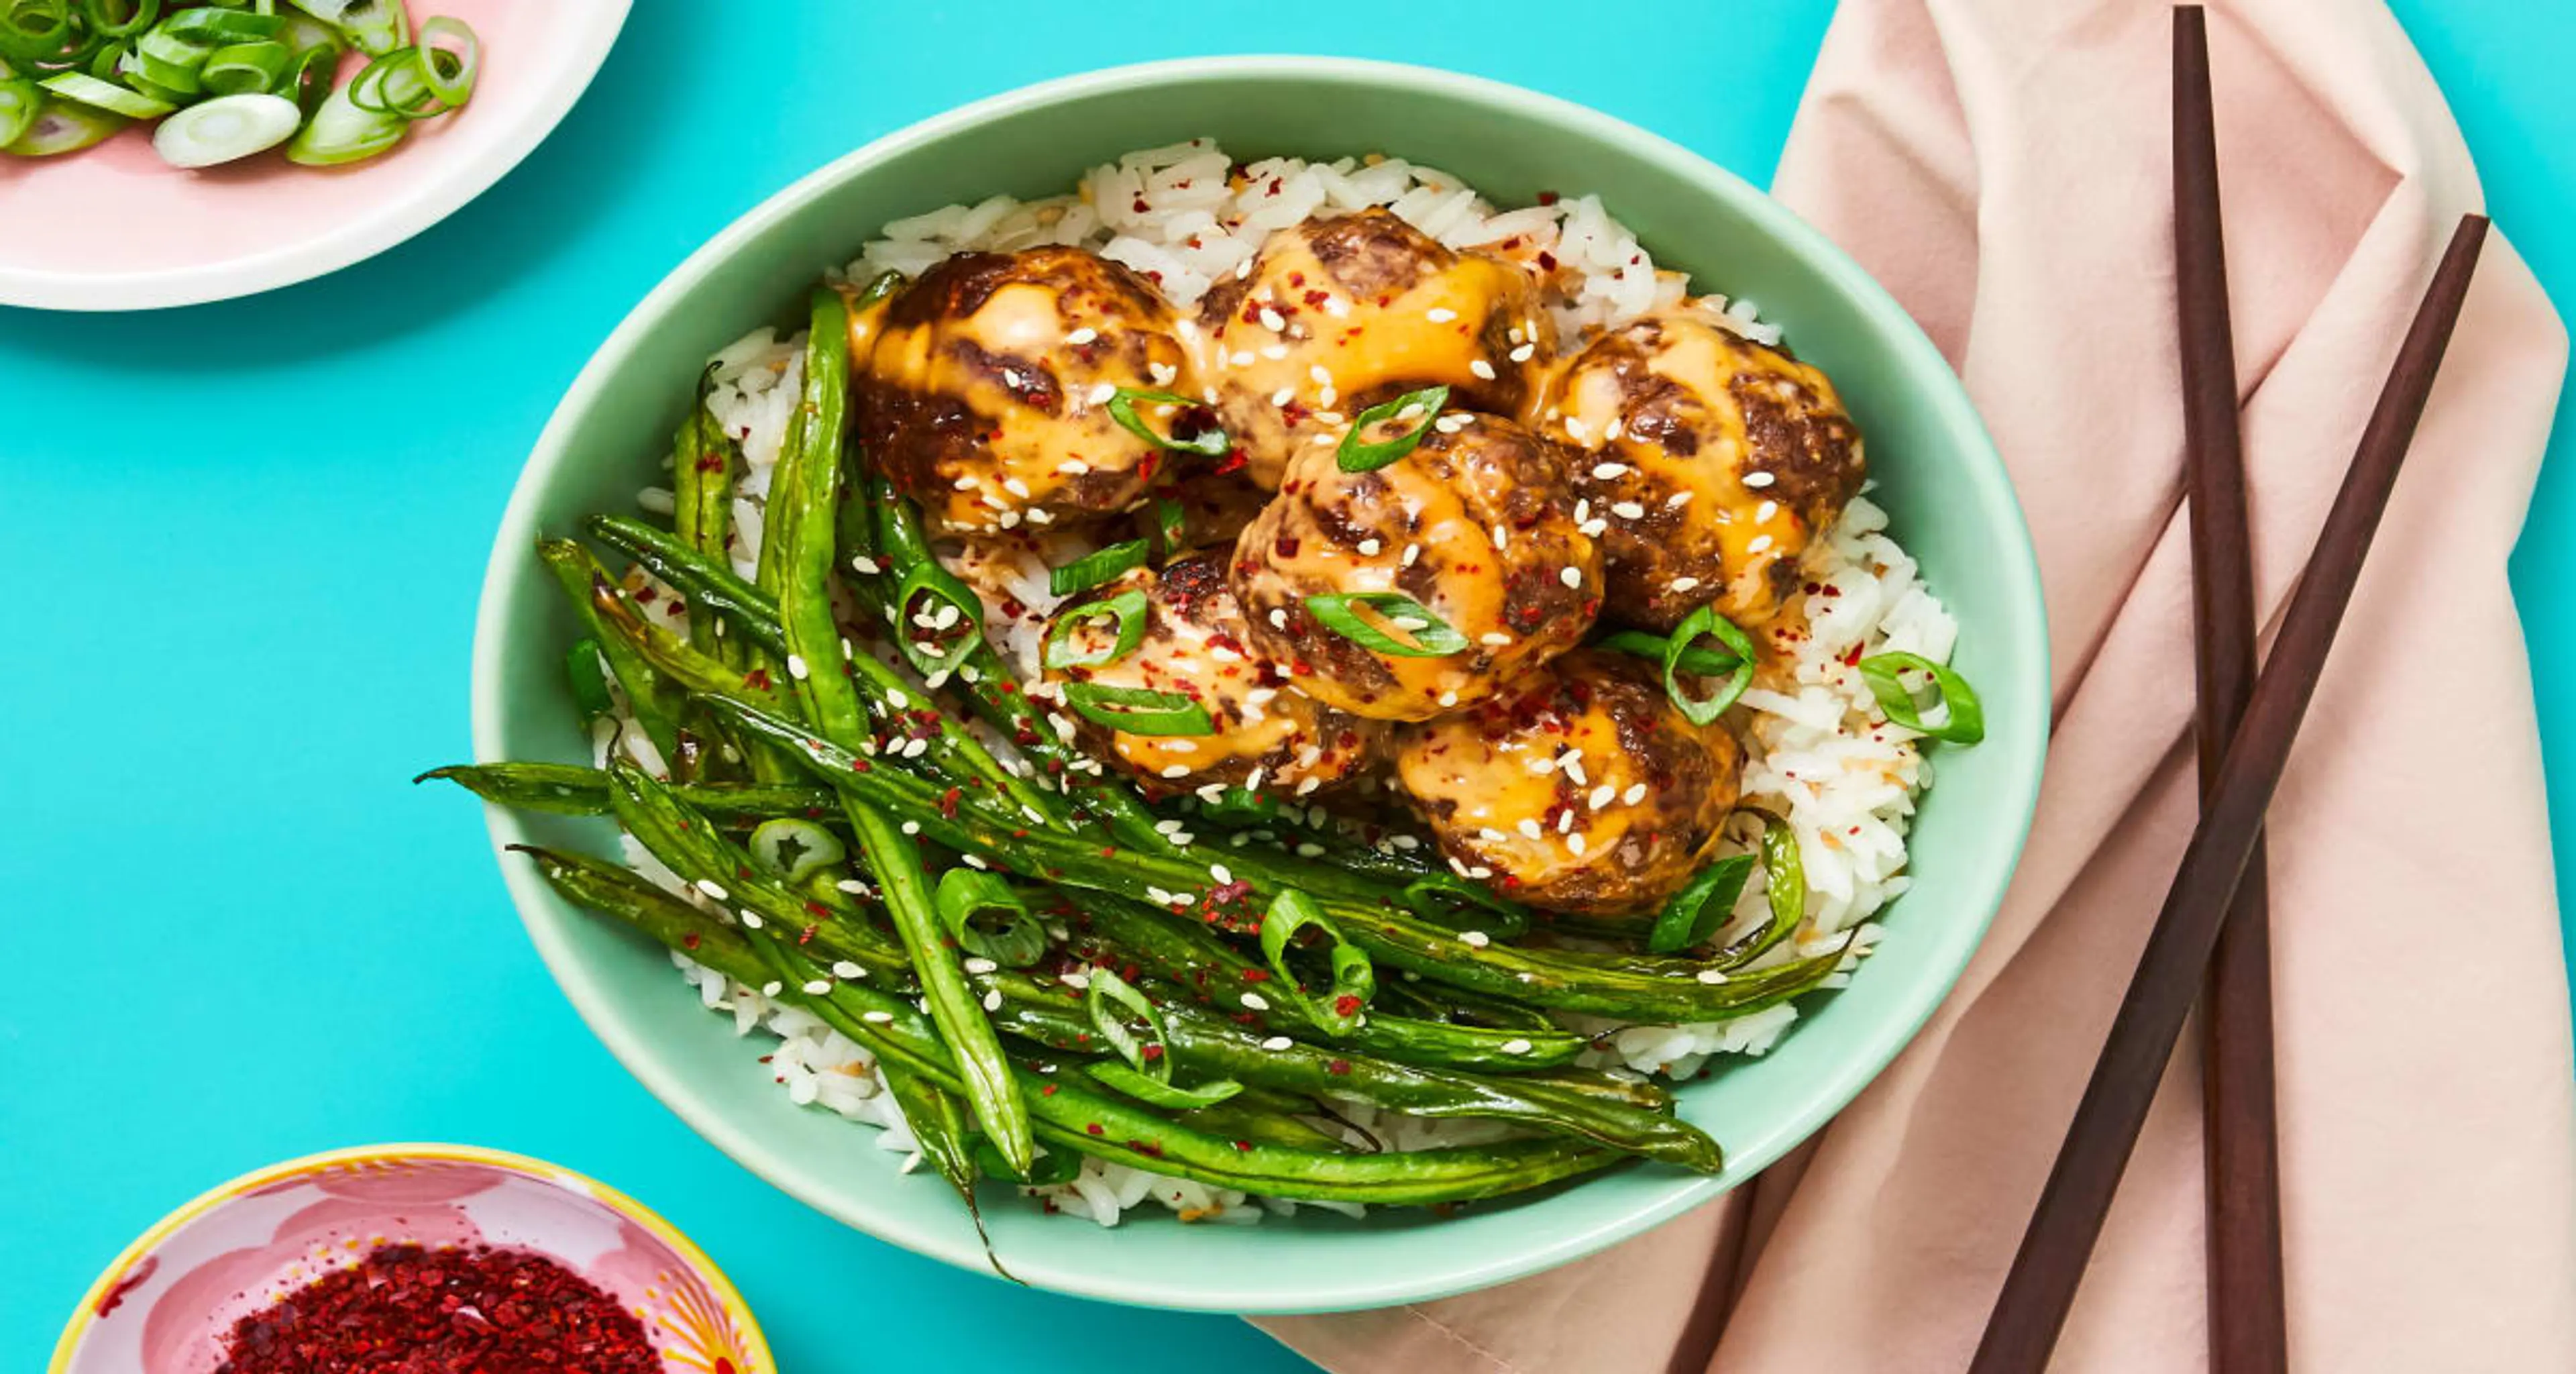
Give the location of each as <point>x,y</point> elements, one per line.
<point>2245,739</point>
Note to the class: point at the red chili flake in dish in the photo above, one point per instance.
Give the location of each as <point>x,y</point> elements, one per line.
<point>689,940</point>
<point>1346,1005</point>
<point>1547,197</point>
<point>407,1309</point>
<point>948,803</point>
<point>1338,1068</point>
<point>1094,1128</point>
<point>1256,975</point>
<point>757,678</point>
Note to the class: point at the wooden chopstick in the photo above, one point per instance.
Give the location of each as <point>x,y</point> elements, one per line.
<point>2248,1331</point>
<point>2041,1285</point>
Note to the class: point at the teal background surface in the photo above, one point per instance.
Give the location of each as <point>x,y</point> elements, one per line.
<point>246,541</point>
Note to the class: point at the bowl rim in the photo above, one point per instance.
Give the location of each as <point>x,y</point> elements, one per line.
<point>525,1166</point>
<point>1981,465</point>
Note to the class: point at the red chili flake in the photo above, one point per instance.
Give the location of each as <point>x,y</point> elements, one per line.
<point>689,941</point>
<point>1338,1068</point>
<point>646,596</point>
<point>1150,1052</point>
<point>1256,975</point>
<point>948,803</point>
<point>1141,206</point>
<point>1547,197</point>
<point>1346,1005</point>
<point>1233,461</point>
<point>415,1310</point>
<point>757,679</point>
<point>1094,1128</point>
<point>711,462</point>
<point>1243,1146</point>
<point>1046,1090</point>
<point>1146,1147</point>
<point>134,1278</point>
<point>1286,546</point>
<point>859,765</point>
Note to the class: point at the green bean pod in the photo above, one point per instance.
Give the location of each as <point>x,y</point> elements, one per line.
<point>566,789</point>
<point>583,582</point>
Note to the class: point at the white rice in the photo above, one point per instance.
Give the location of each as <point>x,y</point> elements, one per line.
<point>1816,752</point>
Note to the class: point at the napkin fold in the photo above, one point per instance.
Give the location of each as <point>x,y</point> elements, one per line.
<point>2003,166</point>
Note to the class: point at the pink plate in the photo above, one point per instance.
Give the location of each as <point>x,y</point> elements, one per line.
<point>115,228</point>
<point>166,1305</point>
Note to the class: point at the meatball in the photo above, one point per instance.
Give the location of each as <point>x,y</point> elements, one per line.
<point>1335,315</point>
<point>1580,789</point>
<point>1476,526</point>
<point>1708,462</point>
<point>1267,735</point>
<point>985,394</point>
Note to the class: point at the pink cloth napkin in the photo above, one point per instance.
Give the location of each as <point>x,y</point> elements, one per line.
<point>2003,166</point>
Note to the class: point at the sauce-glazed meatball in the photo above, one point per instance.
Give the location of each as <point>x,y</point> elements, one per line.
<point>1267,735</point>
<point>1336,315</point>
<point>1580,789</point>
<point>1476,526</point>
<point>1710,461</point>
<point>985,394</point>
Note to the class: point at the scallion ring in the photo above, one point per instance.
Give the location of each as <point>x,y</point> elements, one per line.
<point>1171,524</point>
<point>1700,909</point>
<point>1354,978</point>
<point>1096,567</point>
<point>226,128</point>
<point>955,616</point>
<point>1127,609</point>
<point>212,26</point>
<point>1705,660</point>
<point>374,27</point>
<point>986,917</point>
<point>1458,904</point>
<point>1138,710</point>
<point>19,102</point>
<point>1355,456</point>
<point>1966,721</point>
<point>450,72</point>
<point>339,132</point>
<point>395,84</point>
<point>1122,408</point>
<point>1706,621</point>
<point>307,80</point>
<point>105,95</point>
<point>247,69</point>
<point>121,18</point>
<point>1112,1001</point>
<point>795,848</point>
<point>1429,635</point>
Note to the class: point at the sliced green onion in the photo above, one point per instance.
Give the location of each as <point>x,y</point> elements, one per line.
<point>796,848</point>
<point>450,72</point>
<point>1171,524</point>
<point>1698,911</point>
<point>1453,901</point>
<point>23,41</point>
<point>373,27</point>
<point>1354,977</point>
<point>121,18</point>
<point>1240,806</point>
<point>105,95</point>
<point>1128,609</point>
<point>1705,660</point>
<point>1784,873</point>
<point>1138,710</point>
<point>1112,1001</point>
<point>247,68</point>
<point>19,102</point>
<point>307,80</point>
<point>170,81</point>
<point>226,128</point>
<point>61,126</point>
<point>178,53</point>
<point>341,133</point>
<point>210,26</point>
<point>1122,408</point>
<point>985,916</point>
<point>1155,1092</point>
<point>1096,567</point>
<point>589,680</point>
<point>1355,456</point>
<point>1431,637</point>
<point>1706,621</point>
<point>1966,722</point>
<point>395,84</point>
<point>938,647</point>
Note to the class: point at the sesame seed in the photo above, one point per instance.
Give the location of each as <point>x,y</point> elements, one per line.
<point>876,1018</point>
<point>1765,511</point>
<point>1243,359</point>
<point>1628,510</point>
<point>1612,430</point>
<point>1081,336</point>
<point>1593,529</point>
<point>1607,471</point>
<point>1221,873</point>
<point>1572,764</point>
<point>1440,314</point>
<point>1711,976</point>
<point>1502,539</point>
<point>1309,850</point>
<point>816,987</point>
<point>865,564</point>
<point>1582,511</point>
<point>1575,842</point>
<point>712,888</point>
<point>845,969</point>
<point>1683,584</point>
<point>1016,487</point>
<point>1495,638</point>
<point>751,920</point>
<point>1278,618</point>
<point>1678,500</point>
<point>772,988</point>
<point>1243,269</point>
<point>1368,548</point>
<point>1522,353</point>
<point>1482,369</point>
<point>1320,376</point>
<point>912,827</point>
<point>975,861</point>
<point>1759,480</point>
<point>1270,320</point>
<point>1255,1001</point>
<point>1530,828</point>
<point>1447,699</point>
<point>1178,770</point>
<point>1602,796</point>
<point>1309,785</point>
<point>1102,394</point>
<point>1325,397</point>
<point>1283,395</point>
<point>993,1000</point>
<point>852,886</point>
<point>796,667</point>
<point>1411,552</point>
<point>1515,1046</point>
<point>968,482</point>
<point>1761,543</point>
<point>1571,575</point>
<point>1636,793</point>
<point>1474,939</point>
<point>1277,1043</point>
<point>1565,819</point>
<point>1575,428</point>
<point>1275,352</point>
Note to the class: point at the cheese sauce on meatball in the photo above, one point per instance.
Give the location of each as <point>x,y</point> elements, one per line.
<point>1335,315</point>
<point>1266,734</point>
<point>1476,525</point>
<point>1580,789</point>
<point>985,393</point>
<point>1709,462</point>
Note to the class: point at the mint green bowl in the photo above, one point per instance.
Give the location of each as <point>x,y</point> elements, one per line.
<point>1938,476</point>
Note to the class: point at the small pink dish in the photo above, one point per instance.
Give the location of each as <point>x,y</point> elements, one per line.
<point>166,1304</point>
<point>116,228</point>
